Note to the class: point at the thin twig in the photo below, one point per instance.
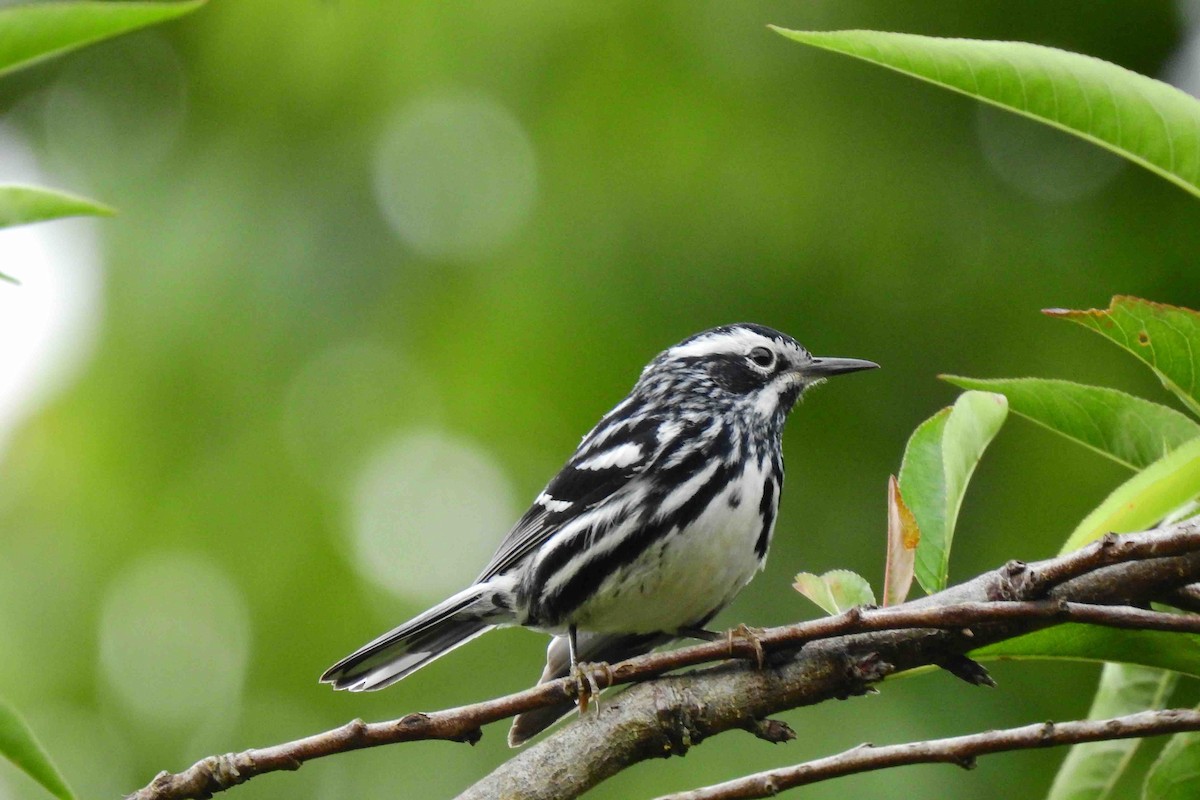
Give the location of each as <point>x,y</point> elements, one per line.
<point>960,750</point>
<point>1111,549</point>
<point>1186,598</point>
<point>671,714</point>
<point>964,619</point>
<point>462,724</point>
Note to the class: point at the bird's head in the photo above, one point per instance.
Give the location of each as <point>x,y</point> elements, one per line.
<point>745,368</point>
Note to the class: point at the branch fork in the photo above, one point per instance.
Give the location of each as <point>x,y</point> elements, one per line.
<point>805,663</point>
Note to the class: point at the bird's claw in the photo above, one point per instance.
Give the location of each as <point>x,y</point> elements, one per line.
<point>586,684</point>
<point>751,637</point>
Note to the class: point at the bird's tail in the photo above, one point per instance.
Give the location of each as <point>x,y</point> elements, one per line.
<point>405,649</point>
<point>593,647</point>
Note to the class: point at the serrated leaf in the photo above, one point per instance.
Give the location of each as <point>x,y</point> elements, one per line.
<point>1179,652</point>
<point>836,591</point>
<point>35,32</point>
<point>1145,499</point>
<point>1167,338</point>
<point>1175,774</point>
<point>1130,430</point>
<point>903,537</point>
<point>1144,120</point>
<point>21,747</point>
<point>23,204</point>
<point>1091,770</point>
<point>939,460</point>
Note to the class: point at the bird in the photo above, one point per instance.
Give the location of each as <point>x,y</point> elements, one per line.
<point>656,522</point>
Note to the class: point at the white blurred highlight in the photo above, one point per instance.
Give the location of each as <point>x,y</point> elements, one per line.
<point>1183,70</point>
<point>428,511</point>
<point>455,176</point>
<point>48,323</point>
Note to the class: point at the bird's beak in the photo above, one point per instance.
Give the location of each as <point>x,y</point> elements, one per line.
<point>824,367</point>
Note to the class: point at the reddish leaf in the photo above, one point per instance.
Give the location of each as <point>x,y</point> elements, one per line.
<point>903,535</point>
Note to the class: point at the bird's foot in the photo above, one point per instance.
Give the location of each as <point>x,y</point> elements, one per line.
<point>751,636</point>
<point>586,685</point>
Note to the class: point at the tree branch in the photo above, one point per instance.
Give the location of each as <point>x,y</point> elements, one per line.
<point>960,750</point>
<point>1186,598</point>
<point>667,716</point>
<point>808,662</point>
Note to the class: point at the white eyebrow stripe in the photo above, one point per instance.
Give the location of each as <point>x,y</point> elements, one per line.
<point>736,341</point>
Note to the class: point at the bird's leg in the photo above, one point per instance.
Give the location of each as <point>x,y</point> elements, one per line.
<point>750,636</point>
<point>700,633</point>
<point>585,683</point>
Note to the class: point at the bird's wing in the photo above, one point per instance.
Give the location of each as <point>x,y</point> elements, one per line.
<point>611,455</point>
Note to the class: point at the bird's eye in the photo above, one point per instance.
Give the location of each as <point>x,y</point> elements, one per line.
<point>762,356</point>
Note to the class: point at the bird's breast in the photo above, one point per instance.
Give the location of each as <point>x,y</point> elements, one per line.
<point>694,568</point>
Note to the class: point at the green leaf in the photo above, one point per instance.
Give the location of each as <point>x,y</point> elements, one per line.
<point>938,462</point>
<point>1179,652</point>
<point>1175,774</point>
<point>836,591</point>
<point>1165,337</point>
<point>22,204</point>
<point>923,490</point>
<point>1091,770</point>
<point>1139,118</point>
<point>21,747</point>
<point>1131,431</point>
<point>1146,498</point>
<point>32,33</point>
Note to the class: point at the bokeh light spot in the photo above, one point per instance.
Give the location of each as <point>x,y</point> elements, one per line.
<point>1041,162</point>
<point>117,108</point>
<point>455,176</point>
<point>343,401</point>
<point>428,510</point>
<point>174,639</point>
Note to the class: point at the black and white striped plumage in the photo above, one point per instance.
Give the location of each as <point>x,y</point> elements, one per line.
<point>658,520</point>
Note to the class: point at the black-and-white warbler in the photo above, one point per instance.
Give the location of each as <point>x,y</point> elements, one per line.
<point>657,521</point>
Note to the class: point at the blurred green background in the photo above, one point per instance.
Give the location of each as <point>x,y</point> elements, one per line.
<point>379,266</point>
